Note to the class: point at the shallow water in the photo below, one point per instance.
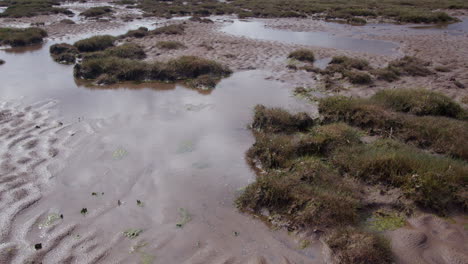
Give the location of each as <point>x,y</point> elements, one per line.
<point>257,30</point>
<point>170,147</point>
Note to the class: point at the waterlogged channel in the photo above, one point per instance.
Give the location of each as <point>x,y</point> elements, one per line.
<point>177,151</point>
<point>257,30</point>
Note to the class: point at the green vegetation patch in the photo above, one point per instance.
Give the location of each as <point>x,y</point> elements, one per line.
<point>419,102</point>
<point>441,134</point>
<point>121,69</point>
<point>433,182</point>
<point>421,11</point>
<point>30,8</point>
<point>349,63</point>
<point>96,43</point>
<point>99,11</point>
<point>175,29</point>
<point>203,82</point>
<point>16,37</point>
<point>382,220</point>
<point>141,32</point>
<point>170,45</point>
<point>304,55</point>
<point>350,246</point>
<point>308,194</point>
<point>64,53</point>
<point>277,120</point>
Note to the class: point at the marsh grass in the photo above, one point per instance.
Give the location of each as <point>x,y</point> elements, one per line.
<point>64,53</point>
<point>98,11</point>
<point>432,182</point>
<point>419,102</point>
<point>275,120</point>
<point>204,82</point>
<point>350,63</point>
<point>349,246</point>
<point>175,29</point>
<point>440,134</point>
<point>309,194</point>
<point>124,69</point>
<point>126,51</point>
<point>67,21</point>
<point>96,43</point>
<point>30,8</point>
<point>315,176</point>
<point>278,150</point>
<point>356,77</point>
<point>170,45</point>
<point>16,37</point>
<point>303,55</point>
<point>410,66</point>
<point>141,32</point>
<point>419,11</point>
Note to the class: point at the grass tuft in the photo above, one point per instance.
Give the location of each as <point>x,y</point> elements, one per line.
<point>170,45</point>
<point>304,55</point>
<point>276,120</point>
<point>432,182</point>
<point>96,43</point>
<point>64,53</point>
<point>419,102</point>
<point>441,134</point>
<point>175,29</point>
<point>98,11</point>
<point>349,246</point>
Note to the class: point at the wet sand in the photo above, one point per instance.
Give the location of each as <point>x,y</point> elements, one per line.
<point>171,147</point>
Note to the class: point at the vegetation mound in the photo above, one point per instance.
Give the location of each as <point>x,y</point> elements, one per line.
<point>96,43</point>
<point>317,176</point>
<point>441,134</point>
<point>122,69</point>
<point>175,29</point>
<point>275,120</point>
<point>302,55</point>
<point>99,11</point>
<point>170,45</point>
<point>419,102</point>
<point>21,37</point>
<point>64,53</point>
<point>30,8</point>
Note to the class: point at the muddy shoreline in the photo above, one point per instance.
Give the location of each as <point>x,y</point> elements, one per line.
<point>170,147</point>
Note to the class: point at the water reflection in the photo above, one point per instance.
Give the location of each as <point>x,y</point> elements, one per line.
<point>258,30</point>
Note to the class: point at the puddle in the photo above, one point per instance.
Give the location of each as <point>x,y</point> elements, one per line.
<point>166,145</point>
<point>257,30</point>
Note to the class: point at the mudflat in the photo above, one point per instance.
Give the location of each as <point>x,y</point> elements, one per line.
<point>145,162</point>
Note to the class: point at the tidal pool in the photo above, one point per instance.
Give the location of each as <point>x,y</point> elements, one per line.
<point>257,30</point>
<point>167,147</point>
